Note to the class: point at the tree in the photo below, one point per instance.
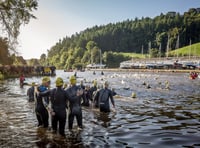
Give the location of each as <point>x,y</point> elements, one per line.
<point>69,62</point>
<point>78,52</point>
<point>4,53</point>
<point>154,53</point>
<point>95,55</point>
<point>90,45</point>
<point>33,62</point>
<point>14,13</point>
<point>63,58</point>
<point>86,57</point>
<point>43,59</point>
<point>19,60</point>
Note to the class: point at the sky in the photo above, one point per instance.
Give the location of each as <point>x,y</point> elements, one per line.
<point>57,19</point>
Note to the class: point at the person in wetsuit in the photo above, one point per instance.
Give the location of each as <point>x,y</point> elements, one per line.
<point>102,98</point>
<point>82,86</point>
<point>86,96</point>
<point>59,99</point>
<point>41,103</point>
<point>93,90</point>
<point>74,93</point>
<point>30,92</point>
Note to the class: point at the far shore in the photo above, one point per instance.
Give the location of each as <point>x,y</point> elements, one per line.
<point>2,77</point>
<point>148,70</point>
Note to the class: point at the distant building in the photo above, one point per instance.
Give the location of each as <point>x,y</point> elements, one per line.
<point>172,14</point>
<point>198,10</point>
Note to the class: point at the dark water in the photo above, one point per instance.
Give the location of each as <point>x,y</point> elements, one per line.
<point>164,115</point>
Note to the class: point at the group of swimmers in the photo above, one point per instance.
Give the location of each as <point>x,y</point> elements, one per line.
<point>61,98</point>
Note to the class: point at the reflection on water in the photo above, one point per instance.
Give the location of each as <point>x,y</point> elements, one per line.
<point>159,116</point>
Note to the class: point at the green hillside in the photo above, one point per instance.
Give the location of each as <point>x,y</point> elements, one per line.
<point>134,55</point>
<point>193,50</point>
<point>127,37</point>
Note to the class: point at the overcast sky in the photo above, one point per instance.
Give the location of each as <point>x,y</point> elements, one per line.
<point>57,19</point>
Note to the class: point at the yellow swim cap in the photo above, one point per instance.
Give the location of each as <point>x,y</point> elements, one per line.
<point>33,84</point>
<point>133,95</point>
<point>95,82</point>
<point>45,79</point>
<point>72,80</point>
<point>59,82</point>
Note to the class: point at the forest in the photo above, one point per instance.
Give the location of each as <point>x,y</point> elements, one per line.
<point>158,35</point>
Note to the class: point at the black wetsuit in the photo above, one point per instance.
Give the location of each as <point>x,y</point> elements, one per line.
<point>102,99</point>
<point>40,109</point>
<point>30,94</point>
<point>74,106</point>
<point>58,98</point>
<point>86,97</point>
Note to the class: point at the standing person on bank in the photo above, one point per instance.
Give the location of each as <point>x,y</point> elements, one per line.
<point>75,94</point>
<point>58,98</point>
<point>41,103</point>
<point>103,97</point>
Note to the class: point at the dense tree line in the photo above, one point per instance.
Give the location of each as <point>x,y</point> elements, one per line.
<point>127,36</point>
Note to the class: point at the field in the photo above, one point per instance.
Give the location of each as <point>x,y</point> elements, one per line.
<point>193,50</point>
<point>134,55</point>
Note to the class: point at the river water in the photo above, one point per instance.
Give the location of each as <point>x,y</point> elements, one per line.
<point>165,113</point>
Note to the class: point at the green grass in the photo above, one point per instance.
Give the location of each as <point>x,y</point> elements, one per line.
<point>134,55</point>
<point>193,50</point>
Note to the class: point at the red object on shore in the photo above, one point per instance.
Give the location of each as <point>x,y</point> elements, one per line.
<point>193,75</point>
<point>21,80</point>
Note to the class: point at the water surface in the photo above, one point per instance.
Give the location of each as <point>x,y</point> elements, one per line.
<point>165,113</point>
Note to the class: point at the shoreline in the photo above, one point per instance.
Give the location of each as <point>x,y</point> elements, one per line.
<point>148,70</point>
<point>3,77</point>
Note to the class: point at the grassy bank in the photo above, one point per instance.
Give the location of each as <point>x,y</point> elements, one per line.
<point>192,50</point>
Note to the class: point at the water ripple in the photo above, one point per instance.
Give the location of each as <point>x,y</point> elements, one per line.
<point>157,117</point>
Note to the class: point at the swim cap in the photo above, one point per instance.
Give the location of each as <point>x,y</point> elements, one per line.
<point>45,79</point>
<point>59,82</point>
<point>72,80</point>
<point>95,82</point>
<point>106,83</point>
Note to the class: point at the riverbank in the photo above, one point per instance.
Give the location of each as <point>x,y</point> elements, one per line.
<point>2,77</point>
<point>148,70</point>
<point>13,71</point>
